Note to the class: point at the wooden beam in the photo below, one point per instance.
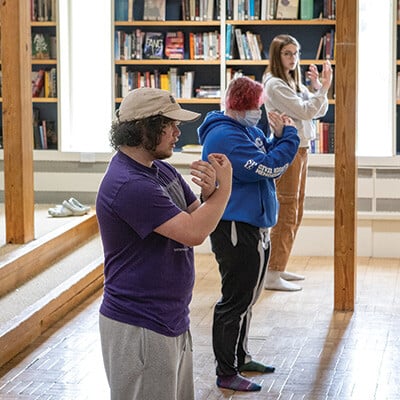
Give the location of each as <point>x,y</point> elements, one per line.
<point>345,273</point>
<point>17,120</point>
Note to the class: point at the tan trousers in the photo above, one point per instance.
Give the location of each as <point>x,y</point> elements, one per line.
<point>290,189</point>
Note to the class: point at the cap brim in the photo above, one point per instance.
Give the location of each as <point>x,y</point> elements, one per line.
<point>182,115</point>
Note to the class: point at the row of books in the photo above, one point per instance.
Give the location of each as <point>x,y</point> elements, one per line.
<point>200,10</point>
<point>208,92</point>
<point>325,140</point>
<point>204,45</point>
<point>247,45</point>
<point>139,45</point>
<point>44,46</point>
<point>180,85</point>
<point>152,10</point>
<point>44,132</point>
<point>280,9</point>
<point>44,83</point>
<point>207,10</point>
<point>155,10</point>
<point>326,47</point>
<point>43,10</point>
<point>232,73</point>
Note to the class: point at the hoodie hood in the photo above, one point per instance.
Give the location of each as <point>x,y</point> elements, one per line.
<point>212,120</point>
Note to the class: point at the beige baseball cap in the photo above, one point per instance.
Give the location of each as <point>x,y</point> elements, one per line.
<point>147,102</point>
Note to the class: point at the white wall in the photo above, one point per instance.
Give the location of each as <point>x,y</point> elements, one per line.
<point>378,231</point>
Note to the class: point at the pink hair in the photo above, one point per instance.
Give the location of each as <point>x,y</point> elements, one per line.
<point>243,94</point>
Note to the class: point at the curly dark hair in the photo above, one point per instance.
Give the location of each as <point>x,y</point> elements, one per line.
<point>144,132</point>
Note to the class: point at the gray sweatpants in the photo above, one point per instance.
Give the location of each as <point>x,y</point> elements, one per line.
<point>141,364</point>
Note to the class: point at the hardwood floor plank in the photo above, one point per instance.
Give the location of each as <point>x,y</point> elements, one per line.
<point>318,353</point>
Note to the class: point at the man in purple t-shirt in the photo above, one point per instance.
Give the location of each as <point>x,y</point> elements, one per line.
<point>149,221</point>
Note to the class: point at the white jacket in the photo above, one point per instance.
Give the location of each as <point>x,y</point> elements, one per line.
<point>302,107</point>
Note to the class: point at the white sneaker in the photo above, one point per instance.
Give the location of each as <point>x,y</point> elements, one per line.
<point>75,210</point>
<point>79,205</point>
<point>60,211</point>
<point>291,276</point>
<point>275,282</point>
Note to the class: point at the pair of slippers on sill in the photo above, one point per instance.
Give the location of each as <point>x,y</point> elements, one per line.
<point>69,208</point>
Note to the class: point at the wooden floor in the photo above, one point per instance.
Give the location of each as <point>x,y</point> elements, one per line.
<point>318,354</point>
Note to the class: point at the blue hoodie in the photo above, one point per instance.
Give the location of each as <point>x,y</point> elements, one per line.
<point>256,162</point>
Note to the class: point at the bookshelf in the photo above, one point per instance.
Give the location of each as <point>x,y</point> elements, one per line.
<point>203,70</point>
<point>44,77</point>
<point>217,71</point>
<point>44,74</point>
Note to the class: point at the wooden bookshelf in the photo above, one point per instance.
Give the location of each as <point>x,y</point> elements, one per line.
<point>213,72</point>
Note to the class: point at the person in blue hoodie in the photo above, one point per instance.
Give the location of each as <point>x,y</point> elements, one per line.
<point>241,242</point>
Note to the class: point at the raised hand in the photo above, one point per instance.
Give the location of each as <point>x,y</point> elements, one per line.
<point>213,174</point>
<point>278,122</point>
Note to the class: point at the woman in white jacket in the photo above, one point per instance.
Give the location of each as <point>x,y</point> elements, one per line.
<point>286,94</point>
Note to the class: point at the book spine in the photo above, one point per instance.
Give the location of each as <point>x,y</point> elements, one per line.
<point>331,138</point>
<point>328,46</point>
<point>191,45</point>
<point>121,10</point>
<point>53,82</point>
<point>210,10</point>
<point>139,44</point>
<point>38,83</point>
<point>252,11</point>
<point>239,42</point>
<point>228,50</point>
<point>307,9</point>
<point>130,10</point>
<point>44,131</point>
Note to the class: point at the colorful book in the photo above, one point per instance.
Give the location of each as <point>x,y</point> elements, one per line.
<point>306,9</point>
<point>164,81</point>
<point>153,46</point>
<point>174,45</point>
<point>228,42</point>
<point>121,10</point>
<point>37,83</point>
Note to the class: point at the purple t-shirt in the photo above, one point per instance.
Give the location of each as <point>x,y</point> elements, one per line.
<point>148,278</point>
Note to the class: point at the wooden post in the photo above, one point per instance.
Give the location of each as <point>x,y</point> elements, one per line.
<point>17,120</point>
<point>345,273</point>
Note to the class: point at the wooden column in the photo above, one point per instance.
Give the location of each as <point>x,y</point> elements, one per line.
<point>17,120</point>
<point>345,155</point>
